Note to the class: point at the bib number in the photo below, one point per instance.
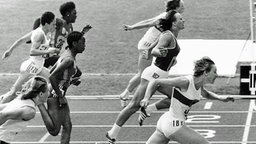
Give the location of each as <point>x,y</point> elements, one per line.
<point>32,68</point>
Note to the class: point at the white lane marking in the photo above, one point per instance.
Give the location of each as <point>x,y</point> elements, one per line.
<point>208,105</point>
<point>248,122</point>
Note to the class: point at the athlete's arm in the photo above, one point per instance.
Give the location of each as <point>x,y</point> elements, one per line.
<point>142,24</point>
<point>17,43</point>
<point>49,123</point>
<point>23,113</point>
<point>169,83</point>
<point>160,50</point>
<point>211,95</point>
<point>65,63</point>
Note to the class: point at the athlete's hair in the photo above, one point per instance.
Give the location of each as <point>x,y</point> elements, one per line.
<point>166,23</point>
<point>203,65</point>
<point>33,87</point>
<point>67,7</point>
<point>172,5</point>
<point>36,23</point>
<point>72,37</point>
<point>47,17</point>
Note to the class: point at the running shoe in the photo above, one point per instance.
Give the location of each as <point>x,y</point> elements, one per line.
<point>143,115</point>
<point>75,81</point>
<point>110,140</point>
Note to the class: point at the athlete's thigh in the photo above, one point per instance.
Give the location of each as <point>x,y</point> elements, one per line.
<point>157,138</point>
<point>143,62</point>
<point>54,110</point>
<point>65,115</point>
<point>140,92</point>
<point>187,135</point>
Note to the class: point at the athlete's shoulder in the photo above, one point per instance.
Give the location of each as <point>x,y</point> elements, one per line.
<point>37,33</point>
<point>168,35</point>
<point>59,23</point>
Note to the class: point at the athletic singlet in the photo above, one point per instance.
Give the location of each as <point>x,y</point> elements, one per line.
<point>151,36</point>
<point>181,102</point>
<point>11,128</point>
<point>66,75</point>
<point>44,45</point>
<point>59,36</point>
<point>165,63</point>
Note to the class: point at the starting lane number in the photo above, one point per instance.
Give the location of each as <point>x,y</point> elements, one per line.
<point>207,133</point>
<point>203,119</point>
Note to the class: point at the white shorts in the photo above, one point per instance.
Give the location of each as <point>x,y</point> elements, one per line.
<point>31,67</point>
<point>153,72</point>
<point>168,124</point>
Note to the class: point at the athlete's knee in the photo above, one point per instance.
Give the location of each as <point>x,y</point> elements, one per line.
<point>54,132</point>
<point>135,105</point>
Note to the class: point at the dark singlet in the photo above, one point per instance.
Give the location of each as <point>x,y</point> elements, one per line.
<point>165,63</point>
<point>61,34</point>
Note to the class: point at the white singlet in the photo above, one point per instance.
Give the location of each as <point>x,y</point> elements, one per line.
<point>11,128</point>
<point>181,102</point>
<point>150,36</point>
<point>35,64</point>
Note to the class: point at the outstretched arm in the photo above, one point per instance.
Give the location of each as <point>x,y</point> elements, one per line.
<point>17,43</point>
<point>211,95</point>
<point>143,24</point>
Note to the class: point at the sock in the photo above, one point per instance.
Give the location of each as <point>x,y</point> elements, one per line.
<point>114,131</point>
<point>151,108</point>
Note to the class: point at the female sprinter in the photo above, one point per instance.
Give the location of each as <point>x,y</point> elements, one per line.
<point>58,113</point>
<point>39,48</point>
<point>15,115</point>
<point>146,44</point>
<point>166,51</point>
<point>186,91</point>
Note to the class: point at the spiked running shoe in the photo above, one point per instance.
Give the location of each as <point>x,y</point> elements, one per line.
<point>110,140</point>
<point>143,115</point>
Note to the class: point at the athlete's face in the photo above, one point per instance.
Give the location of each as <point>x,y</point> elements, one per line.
<point>52,26</point>
<point>179,21</point>
<point>80,45</point>
<point>211,75</point>
<point>72,16</point>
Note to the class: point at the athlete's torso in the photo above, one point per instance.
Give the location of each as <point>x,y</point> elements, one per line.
<point>66,75</point>
<point>59,37</point>
<point>165,63</point>
<point>151,36</point>
<point>44,45</point>
<point>181,102</point>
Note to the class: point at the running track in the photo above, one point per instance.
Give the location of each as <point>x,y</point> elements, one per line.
<point>93,116</point>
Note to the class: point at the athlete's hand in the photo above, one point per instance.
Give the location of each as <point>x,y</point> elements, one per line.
<point>53,50</point>
<point>227,99</point>
<point>144,103</point>
<point>127,27</point>
<point>86,29</point>
<point>163,51</point>
<point>6,54</point>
